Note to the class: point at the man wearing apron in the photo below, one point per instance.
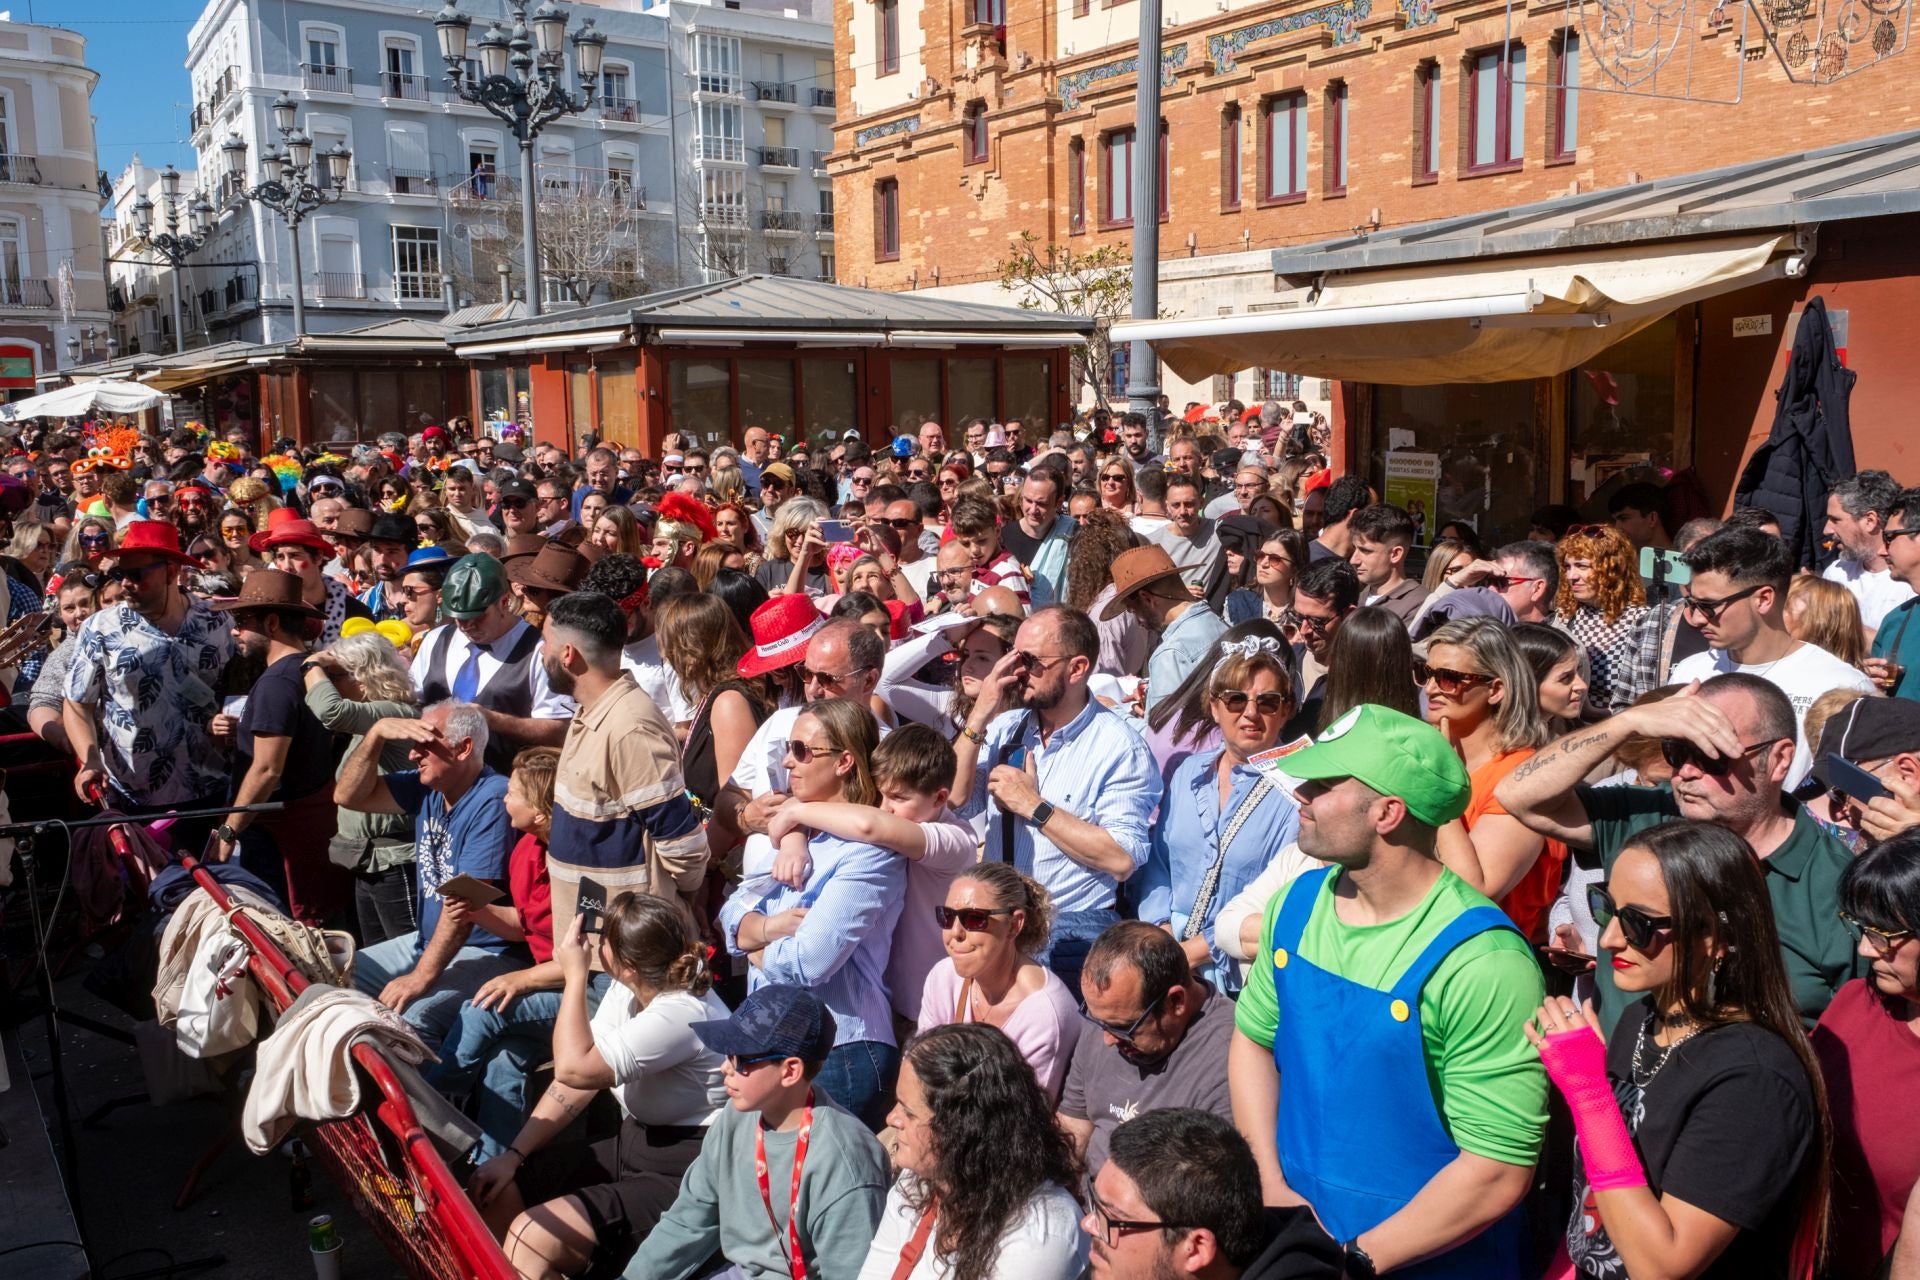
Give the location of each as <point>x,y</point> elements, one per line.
<point>1376,1067</point>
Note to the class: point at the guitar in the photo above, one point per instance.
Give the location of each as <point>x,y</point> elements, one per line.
<point>23,638</point>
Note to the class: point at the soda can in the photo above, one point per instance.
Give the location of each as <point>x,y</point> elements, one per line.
<point>321,1235</point>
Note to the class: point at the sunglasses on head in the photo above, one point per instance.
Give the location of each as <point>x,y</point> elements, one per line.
<point>1269,703</point>
<point>1639,928</point>
<point>1444,679</point>
<point>972,919</point>
<point>1679,753</point>
<point>1588,530</point>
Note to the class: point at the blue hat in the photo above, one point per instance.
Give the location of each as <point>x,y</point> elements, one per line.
<point>776,1021</point>
<point>903,446</point>
<point>429,555</point>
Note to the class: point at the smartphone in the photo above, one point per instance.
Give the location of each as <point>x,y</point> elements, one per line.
<point>1668,565</point>
<point>835,531</point>
<point>592,905</point>
<point>1575,962</point>
<point>1017,757</point>
<point>1844,775</point>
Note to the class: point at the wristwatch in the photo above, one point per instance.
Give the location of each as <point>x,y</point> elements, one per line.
<point>227,833</point>
<point>310,665</point>
<point>1042,812</point>
<point>1356,1263</point>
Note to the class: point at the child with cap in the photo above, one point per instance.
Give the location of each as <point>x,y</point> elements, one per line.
<point>787,1183</point>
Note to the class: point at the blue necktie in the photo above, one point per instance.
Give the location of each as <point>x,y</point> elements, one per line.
<point>467,683</point>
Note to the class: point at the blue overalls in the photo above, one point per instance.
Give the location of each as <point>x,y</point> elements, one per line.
<point>1359,1133</point>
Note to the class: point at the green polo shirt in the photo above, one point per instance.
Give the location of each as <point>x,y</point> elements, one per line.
<point>1898,637</point>
<point>1803,878</point>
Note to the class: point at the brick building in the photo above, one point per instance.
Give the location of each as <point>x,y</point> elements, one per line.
<point>1300,133</point>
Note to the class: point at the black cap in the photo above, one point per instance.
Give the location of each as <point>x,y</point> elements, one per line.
<point>516,488</point>
<point>777,1020</point>
<point>1869,728</point>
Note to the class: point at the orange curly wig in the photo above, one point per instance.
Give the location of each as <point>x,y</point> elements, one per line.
<point>1616,571</point>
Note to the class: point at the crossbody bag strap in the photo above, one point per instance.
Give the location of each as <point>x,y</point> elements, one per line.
<point>1007,819</point>
<point>1210,883</point>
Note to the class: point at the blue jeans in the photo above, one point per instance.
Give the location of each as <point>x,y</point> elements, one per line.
<point>1073,935</point>
<point>498,1049</point>
<point>432,1014</point>
<point>859,1076</point>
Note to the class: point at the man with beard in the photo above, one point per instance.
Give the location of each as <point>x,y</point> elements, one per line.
<point>1730,741</point>
<point>1065,784</point>
<point>487,655</point>
<point>1391,1096</point>
<point>282,753</point>
<point>1148,582</point>
<point>1133,439</point>
<point>1190,538</point>
<point>390,539</point>
<point>193,511</point>
<point>620,808</point>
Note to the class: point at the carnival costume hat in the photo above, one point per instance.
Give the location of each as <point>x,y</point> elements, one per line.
<point>683,519</point>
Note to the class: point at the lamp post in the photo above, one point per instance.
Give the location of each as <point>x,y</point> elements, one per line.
<point>287,187</point>
<point>174,244</point>
<point>519,82</point>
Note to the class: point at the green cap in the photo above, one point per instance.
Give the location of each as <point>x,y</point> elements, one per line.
<point>474,585</point>
<point>1394,754</point>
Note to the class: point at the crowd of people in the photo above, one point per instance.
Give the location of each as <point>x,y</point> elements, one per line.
<point>1135,848</point>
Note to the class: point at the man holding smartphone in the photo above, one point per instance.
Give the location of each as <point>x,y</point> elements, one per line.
<point>1869,761</point>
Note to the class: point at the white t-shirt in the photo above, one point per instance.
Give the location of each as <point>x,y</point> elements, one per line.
<point>1044,1243</point>
<point>663,1073</point>
<point>660,681</point>
<point>1877,592</point>
<point>1803,675</point>
<point>919,574</point>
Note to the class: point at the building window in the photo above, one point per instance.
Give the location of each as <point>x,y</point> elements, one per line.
<point>1230,155</point>
<point>887,16</point>
<point>1336,159</point>
<point>717,64</point>
<point>1563,129</point>
<point>1285,174</point>
<point>1222,388</point>
<point>826,267</point>
<point>886,220</point>
<point>1275,385</point>
<point>416,264</point>
<point>1116,179</point>
<point>399,79</point>
<point>975,145</point>
<point>1496,109</point>
<point>1426,122</point>
<point>616,92</point>
<point>1076,185</point>
<point>323,52</point>
<point>991,13</point>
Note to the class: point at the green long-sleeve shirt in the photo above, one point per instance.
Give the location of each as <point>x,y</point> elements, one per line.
<point>843,1187</point>
<point>390,835</point>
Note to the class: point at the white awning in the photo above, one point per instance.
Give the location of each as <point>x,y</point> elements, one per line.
<point>103,395</point>
<point>725,337</point>
<point>1495,321</point>
<point>984,338</point>
<point>551,342</point>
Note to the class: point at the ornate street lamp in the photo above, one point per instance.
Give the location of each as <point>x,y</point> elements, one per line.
<point>520,82</point>
<point>175,244</point>
<point>287,185</point>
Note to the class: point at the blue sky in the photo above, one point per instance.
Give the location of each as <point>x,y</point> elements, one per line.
<point>139,47</point>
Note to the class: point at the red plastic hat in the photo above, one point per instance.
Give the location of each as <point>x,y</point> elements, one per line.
<point>434,433</point>
<point>155,537</point>
<point>291,532</point>
<point>781,628</point>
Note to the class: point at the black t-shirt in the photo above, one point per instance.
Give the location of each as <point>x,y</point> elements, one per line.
<point>1015,539</point>
<point>277,707</point>
<point>773,575</point>
<point>1726,1125</point>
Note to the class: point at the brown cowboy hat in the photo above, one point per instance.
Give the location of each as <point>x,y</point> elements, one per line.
<point>269,589</point>
<point>1134,570</point>
<point>523,546</point>
<point>555,568</point>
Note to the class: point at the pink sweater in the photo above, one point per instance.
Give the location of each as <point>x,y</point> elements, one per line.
<point>1045,1026</point>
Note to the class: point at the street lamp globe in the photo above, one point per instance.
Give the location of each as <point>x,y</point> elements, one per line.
<point>283,112</point>
<point>494,51</point>
<point>170,181</point>
<point>338,158</point>
<point>201,211</point>
<point>549,27</point>
<point>452,27</point>
<point>234,153</point>
<point>300,150</point>
<point>589,46</point>
<point>143,217</point>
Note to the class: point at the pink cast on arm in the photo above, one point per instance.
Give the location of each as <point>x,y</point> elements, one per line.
<point>1576,1062</point>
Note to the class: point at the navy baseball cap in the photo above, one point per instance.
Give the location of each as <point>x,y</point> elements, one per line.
<point>777,1021</point>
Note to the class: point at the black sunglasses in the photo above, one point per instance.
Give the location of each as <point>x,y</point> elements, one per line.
<point>1446,680</point>
<point>1133,1028</point>
<point>1709,610</point>
<point>513,504</point>
<point>1235,701</point>
<point>902,523</point>
<point>1638,927</point>
<point>972,919</point>
<point>1678,753</point>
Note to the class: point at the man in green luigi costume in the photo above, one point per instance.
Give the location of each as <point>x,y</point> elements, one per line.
<point>489,656</point>
<point>1377,1065</point>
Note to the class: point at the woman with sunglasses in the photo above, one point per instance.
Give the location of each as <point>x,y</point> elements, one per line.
<point>1602,604</point>
<point>235,528</point>
<point>994,922</point>
<point>90,540</point>
<point>77,595</point>
<point>986,1176</point>
<point>787,548</point>
<point>1115,483</point>
<point>1702,1121</point>
<point>1868,1043</point>
<point>1222,818</point>
<point>434,525</point>
<point>1482,696</point>
<point>1275,568</point>
<point>393,495</point>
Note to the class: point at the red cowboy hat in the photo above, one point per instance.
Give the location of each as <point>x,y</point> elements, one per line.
<point>291,532</point>
<point>781,628</point>
<point>155,537</point>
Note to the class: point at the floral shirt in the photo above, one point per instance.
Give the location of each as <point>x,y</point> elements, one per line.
<point>155,694</point>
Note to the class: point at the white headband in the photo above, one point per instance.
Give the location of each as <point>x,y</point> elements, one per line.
<point>1251,647</point>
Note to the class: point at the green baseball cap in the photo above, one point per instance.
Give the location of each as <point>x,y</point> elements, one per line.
<point>474,585</point>
<point>1394,754</point>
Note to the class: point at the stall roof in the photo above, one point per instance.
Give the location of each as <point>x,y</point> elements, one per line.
<point>779,308</point>
<point>1868,178</point>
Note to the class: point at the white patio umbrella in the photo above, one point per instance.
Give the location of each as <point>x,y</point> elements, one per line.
<point>104,395</point>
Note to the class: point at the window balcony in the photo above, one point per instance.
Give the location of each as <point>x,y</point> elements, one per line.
<point>405,88</point>
<point>223,86</point>
<point>779,157</point>
<point>776,93</point>
<point>717,84</point>
<point>411,182</point>
<point>18,168</point>
<point>823,223</point>
<point>341,285</point>
<point>326,79</point>
<point>623,109</point>
<point>32,295</point>
<point>720,214</point>
<point>416,286</point>
<point>201,117</point>
<point>824,99</point>
<point>781,220</point>
<point>714,148</point>
<point>820,164</point>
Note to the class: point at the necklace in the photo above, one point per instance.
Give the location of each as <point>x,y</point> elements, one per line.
<point>1641,1041</point>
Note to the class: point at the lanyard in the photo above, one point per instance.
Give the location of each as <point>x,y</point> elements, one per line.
<point>796,1263</point>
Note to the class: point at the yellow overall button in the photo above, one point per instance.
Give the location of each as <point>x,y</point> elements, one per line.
<point>1399,1010</point>
<point>1279,957</point>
